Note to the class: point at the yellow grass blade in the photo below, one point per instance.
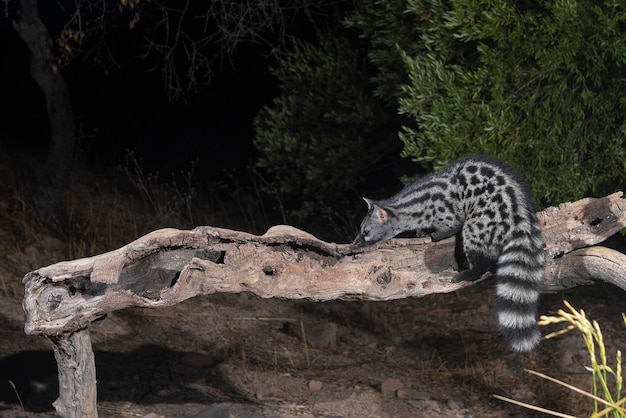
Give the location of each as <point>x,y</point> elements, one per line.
<point>570,387</point>
<point>533,407</point>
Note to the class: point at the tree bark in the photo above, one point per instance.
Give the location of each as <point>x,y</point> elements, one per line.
<point>57,170</point>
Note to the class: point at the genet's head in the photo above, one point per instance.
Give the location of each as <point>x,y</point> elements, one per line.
<point>378,225</point>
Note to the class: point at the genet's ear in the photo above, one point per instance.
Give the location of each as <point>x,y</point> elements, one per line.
<point>370,203</point>
<point>380,215</point>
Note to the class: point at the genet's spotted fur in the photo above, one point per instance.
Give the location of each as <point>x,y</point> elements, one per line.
<point>491,207</point>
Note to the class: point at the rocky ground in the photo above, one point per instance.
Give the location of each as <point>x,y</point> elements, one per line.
<point>241,356</point>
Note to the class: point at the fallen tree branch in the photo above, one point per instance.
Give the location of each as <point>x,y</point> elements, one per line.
<point>168,266</point>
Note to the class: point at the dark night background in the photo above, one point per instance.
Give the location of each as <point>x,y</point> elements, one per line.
<point>125,109</point>
<point>129,109</point>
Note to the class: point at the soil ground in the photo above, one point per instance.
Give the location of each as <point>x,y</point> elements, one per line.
<point>238,355</point>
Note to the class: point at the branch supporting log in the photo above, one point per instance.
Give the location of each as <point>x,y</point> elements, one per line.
<point>168,266</point>
<point>77,375</point>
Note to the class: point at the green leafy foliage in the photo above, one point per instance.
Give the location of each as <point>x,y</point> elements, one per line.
<point>322,135</point>
<point>541,84</point>
<point>387,28</point>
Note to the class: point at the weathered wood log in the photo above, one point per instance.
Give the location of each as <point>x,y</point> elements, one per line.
<point>168,266</point>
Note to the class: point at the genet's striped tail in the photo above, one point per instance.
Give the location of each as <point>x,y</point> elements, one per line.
<point>519,273</point>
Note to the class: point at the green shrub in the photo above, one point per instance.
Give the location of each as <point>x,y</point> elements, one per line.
<point>541,84</point>
<point>321,137</point>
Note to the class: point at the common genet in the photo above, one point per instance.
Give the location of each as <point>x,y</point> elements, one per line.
<point>492,209</point>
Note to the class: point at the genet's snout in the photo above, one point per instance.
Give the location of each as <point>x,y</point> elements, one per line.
<point>359,241</point>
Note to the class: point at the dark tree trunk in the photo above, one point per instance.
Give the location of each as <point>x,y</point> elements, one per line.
<point>54,178</point>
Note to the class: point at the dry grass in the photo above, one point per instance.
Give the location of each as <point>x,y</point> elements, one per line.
<point>107,208</point>
<point>607,381</point>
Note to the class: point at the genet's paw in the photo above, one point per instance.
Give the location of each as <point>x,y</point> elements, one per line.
<point>466,276</point>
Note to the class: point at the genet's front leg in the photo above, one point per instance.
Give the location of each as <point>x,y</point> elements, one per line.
<point>437,233</point>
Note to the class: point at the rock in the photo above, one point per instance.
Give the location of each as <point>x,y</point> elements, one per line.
<point>218,410</point>
<point>425,404</point>
<point>317,334</point>
<point>408,393</point>
<point>419,404</point>
<point>433,405</point>
<point>315,385</point>
<point>455,404</point>
<point>390,386</point>
<point>363,404</point>
<point>466,413</point>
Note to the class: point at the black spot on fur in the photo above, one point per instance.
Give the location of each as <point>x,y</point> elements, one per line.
<point>487,172</point>
<point>490,214</point>
<point>479,191</point>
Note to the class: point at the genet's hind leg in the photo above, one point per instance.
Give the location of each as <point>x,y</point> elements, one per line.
<point>459,253</point>
<point>471,241</point>
<point>478,265</point>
